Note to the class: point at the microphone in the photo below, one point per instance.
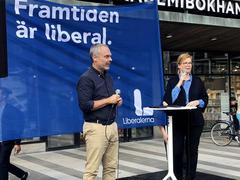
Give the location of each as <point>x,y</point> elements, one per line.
<point>118,92</point>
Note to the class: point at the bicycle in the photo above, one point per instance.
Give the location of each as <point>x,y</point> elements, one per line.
<point>223,131</point>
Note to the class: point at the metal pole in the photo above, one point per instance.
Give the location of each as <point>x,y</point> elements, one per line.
<point>170,152</point>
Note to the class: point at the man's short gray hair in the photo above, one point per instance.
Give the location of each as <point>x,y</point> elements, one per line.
<point>94,50</point>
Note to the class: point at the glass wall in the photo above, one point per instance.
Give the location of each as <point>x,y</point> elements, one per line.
<point>139,133</point>
<point>63,141</point>
<point>135,134</point>
<point>235,74</point>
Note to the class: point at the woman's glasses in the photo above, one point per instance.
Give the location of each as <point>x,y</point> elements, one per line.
<point>185,63</point>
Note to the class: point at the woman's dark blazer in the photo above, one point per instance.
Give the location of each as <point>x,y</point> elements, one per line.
<point>197,91</point>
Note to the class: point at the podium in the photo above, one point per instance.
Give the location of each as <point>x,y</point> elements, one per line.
<point>170,173</point>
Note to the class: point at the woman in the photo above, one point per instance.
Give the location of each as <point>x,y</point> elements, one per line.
<point>186,90</point>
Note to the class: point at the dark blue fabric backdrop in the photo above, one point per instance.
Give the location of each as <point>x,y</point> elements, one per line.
<point>43,72</point>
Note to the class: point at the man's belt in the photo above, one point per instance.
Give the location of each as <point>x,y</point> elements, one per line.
<point>103,122</point>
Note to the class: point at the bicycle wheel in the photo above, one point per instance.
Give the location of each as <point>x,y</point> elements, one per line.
<point>221,133</point>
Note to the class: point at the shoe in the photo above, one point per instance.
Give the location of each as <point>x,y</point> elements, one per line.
<point>25,176</point>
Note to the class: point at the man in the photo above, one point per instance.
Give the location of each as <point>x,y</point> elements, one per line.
<point>98,102</point>
<point>8,116</point>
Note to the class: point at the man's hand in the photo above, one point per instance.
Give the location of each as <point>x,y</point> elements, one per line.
<point>114,99</point>
<point>120,102</point>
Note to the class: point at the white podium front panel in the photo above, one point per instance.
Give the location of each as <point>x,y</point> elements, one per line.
<point>170,136</point>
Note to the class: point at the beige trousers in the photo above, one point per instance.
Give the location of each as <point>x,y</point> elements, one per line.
<point>101,147</point>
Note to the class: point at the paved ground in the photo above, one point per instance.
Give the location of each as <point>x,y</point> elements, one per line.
<point>137,157</point>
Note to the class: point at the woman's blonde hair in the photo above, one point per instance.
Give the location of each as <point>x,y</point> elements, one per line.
<point>182,57</point>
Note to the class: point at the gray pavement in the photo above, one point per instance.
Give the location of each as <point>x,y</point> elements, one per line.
<point>135,158</point>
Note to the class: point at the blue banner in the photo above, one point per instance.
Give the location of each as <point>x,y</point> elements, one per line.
<point>48,45</point>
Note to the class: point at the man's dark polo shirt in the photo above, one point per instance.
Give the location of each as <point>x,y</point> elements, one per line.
<point>95,86</point>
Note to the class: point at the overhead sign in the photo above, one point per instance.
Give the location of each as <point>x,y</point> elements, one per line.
<point>225,8</point>
<point>48,50</point>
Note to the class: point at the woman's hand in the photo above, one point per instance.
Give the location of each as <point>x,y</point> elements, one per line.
<point>165,136</point>
<point>164,133</point>
<point>183,76</point>
<point>194,103</point>
<point>165,104</point>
